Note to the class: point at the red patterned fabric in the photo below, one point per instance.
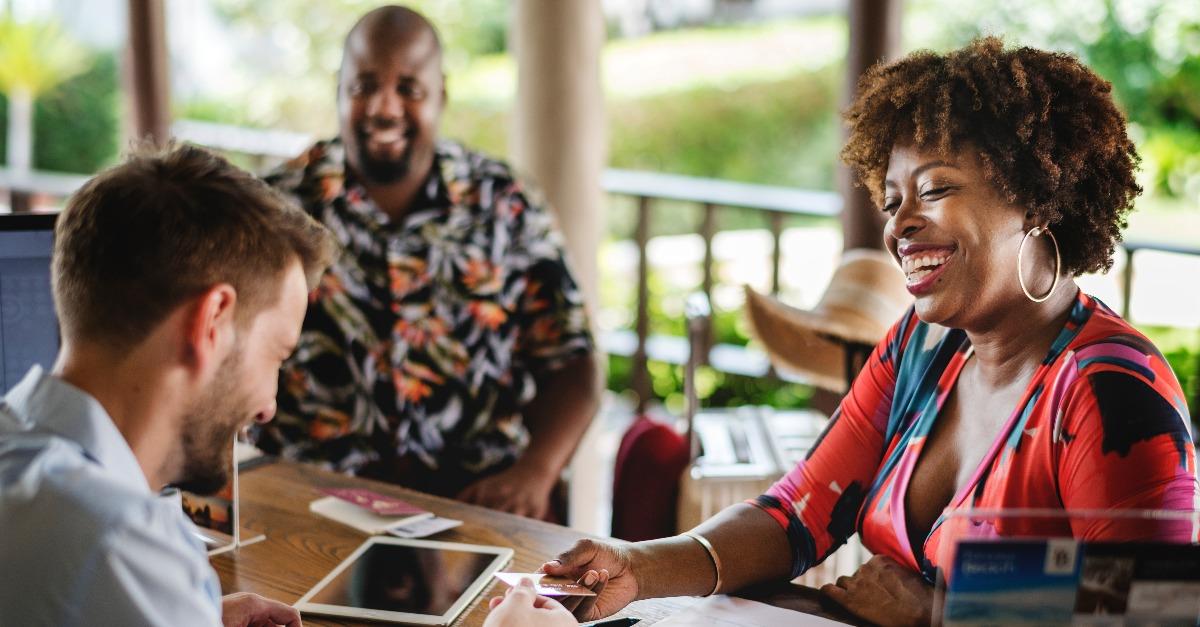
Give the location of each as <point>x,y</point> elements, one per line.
<point>1103,425</point>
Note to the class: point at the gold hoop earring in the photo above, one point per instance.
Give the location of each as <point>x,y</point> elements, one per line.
<point>1036,232</point>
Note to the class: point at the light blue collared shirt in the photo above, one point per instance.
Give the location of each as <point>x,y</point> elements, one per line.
<point>83,539</point>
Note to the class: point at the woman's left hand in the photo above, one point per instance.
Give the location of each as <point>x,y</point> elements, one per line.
<point>885,593</point>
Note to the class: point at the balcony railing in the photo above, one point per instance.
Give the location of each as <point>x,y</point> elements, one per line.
<point>774,204</point>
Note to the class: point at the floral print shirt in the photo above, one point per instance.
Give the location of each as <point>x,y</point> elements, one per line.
<point>1102,425</point>
<point>423,342</point>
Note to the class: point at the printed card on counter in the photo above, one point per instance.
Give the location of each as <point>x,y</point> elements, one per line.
<point>362,517</point>
<point>375,502</point>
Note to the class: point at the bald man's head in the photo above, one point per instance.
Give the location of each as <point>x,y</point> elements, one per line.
<point>391,23</point>
<point>391,92</point>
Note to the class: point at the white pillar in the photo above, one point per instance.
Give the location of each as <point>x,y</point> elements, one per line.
<point>558,138</point>
<point>559,132</point>
<point>20,131</point>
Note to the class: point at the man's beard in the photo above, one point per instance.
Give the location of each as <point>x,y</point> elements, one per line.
<point>209,429</point>
<point>382,171</point>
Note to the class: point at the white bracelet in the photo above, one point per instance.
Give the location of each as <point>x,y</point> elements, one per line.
<point>712,554</point>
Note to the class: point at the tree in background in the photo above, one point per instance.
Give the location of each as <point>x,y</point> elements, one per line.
<point>35,57</point>
<point>1149,50</point>
<point>297,46</point>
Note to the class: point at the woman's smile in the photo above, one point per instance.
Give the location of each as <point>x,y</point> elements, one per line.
<point>923,264</point>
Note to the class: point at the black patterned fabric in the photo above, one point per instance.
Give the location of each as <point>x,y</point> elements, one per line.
<point>423,341</point>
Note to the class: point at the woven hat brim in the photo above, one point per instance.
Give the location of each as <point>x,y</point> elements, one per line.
<point>803,348</point>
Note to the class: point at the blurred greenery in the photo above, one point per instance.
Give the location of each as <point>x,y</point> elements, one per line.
<point>772,132</point>
<point>1172,160</point>
<point>1181,347</point>
<point>297,48</point>
<point>36,56</point>
<point>77,124</point>
<point>774,120</point>
<point>753,102</point>
<point>1149,50</point>
<point>468,28</point>
<point>714,388</point>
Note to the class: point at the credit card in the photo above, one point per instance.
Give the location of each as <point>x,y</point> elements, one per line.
<point>546,585</point>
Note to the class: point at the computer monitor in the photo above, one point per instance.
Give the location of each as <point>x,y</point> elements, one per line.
<point>28,325</point>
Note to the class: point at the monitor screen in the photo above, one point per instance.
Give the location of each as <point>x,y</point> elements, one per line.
<point>28,326</point>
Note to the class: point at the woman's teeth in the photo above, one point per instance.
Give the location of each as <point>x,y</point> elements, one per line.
<point>917,267</point>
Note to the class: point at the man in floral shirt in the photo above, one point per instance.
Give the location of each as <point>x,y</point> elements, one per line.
<point>448,348</point>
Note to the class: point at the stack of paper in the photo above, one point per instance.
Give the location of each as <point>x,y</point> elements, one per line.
<point>723,611</point>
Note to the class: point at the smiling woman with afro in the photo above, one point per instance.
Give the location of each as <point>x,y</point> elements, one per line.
<point>1004,174</point>
<point>1048,134</point>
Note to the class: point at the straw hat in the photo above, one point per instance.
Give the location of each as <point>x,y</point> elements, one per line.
<point>864,299</point>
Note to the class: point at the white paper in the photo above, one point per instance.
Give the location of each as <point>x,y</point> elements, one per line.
<point>367,522</point>
<point>724,611</point>
<point>423,527</point>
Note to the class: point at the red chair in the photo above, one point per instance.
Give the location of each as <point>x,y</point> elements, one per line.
<point>653,455</point>
<point>650,461</point>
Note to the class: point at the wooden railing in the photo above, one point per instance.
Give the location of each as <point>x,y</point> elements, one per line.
<point>774,204</point>
<point>1129,248</point>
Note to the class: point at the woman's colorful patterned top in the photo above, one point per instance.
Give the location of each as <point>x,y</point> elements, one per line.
<point>1102,425</point>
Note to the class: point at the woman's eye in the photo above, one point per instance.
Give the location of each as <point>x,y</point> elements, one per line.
<point>931,194</point>
<point>890,206</point>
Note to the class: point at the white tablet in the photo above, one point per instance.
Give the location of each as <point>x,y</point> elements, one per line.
<point>409,581</point>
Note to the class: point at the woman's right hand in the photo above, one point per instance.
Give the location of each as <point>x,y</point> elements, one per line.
<point>605,568</point>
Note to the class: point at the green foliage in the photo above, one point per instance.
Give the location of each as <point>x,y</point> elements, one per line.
<point>1150,51</point>
<point>473,27</point>
<point>77,124</point>
<point>37,56</point>
<point>779,132</point>
<point>1181,347</point>
<point>715,389</point>
<point>1186,364</point>
<point>1172,160</point>
<point>211,110</point>
<point>298,49</point>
